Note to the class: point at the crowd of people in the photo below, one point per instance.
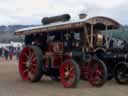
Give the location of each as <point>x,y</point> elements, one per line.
<point>9,52</point>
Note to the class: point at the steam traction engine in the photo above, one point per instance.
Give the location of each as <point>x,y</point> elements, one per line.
<point>72,50</point>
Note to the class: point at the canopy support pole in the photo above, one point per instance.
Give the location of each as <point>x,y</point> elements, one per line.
<point>86,36</point>
<point>91,35</point>
<point>106,37</point>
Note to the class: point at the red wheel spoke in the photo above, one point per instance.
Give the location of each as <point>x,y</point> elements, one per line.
<point>71,68</point>
<point>30,75</point>
<point>34,65</point>
<point>32,56</point>
<point>32,70</point>
<point>33,59</point>
<point>30,53</point>
<point>71,74</point>
<point>99,72</point>
<point>25,71</point>
<point>67,67</point>
<point>24,63</point>
<point>65,77</point>
<point>27,57</point>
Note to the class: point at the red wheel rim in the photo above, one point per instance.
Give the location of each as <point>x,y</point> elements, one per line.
<point>27,64</point>
<point>96,72</point>
<point>67,74</point>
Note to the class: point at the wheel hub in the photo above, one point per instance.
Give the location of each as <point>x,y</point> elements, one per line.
<point>29,62</point>
<point>66,74</point>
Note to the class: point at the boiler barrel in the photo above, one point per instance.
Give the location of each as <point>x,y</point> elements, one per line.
<point>112,57</point>
<point>48,20</point>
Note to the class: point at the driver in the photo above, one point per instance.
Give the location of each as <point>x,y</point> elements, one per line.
<point>99,40</point>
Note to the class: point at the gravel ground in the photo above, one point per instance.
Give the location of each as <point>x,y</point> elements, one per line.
<point>12,85</point>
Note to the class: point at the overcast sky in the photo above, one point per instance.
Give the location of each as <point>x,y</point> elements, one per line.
<point>31,11</point>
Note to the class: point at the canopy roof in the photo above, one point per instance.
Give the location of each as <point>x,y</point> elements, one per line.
<point>99,22</point>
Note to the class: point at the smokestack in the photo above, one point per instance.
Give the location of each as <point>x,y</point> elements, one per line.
<point>82,15</point>
<point>48,20</point>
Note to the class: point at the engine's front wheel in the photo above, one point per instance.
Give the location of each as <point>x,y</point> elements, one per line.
<point>69,74</point>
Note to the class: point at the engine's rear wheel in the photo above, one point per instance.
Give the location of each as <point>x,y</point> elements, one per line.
<point>69,74</point>
<point>97,72</point>
<point>121,73</point>
<point>31,63</point>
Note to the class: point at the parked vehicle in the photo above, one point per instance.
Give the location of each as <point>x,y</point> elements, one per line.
<point>71,50</point>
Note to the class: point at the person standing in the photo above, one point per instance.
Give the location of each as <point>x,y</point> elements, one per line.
<point>11,54</point>
<point>18,52</point>
<point>6,53</point>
